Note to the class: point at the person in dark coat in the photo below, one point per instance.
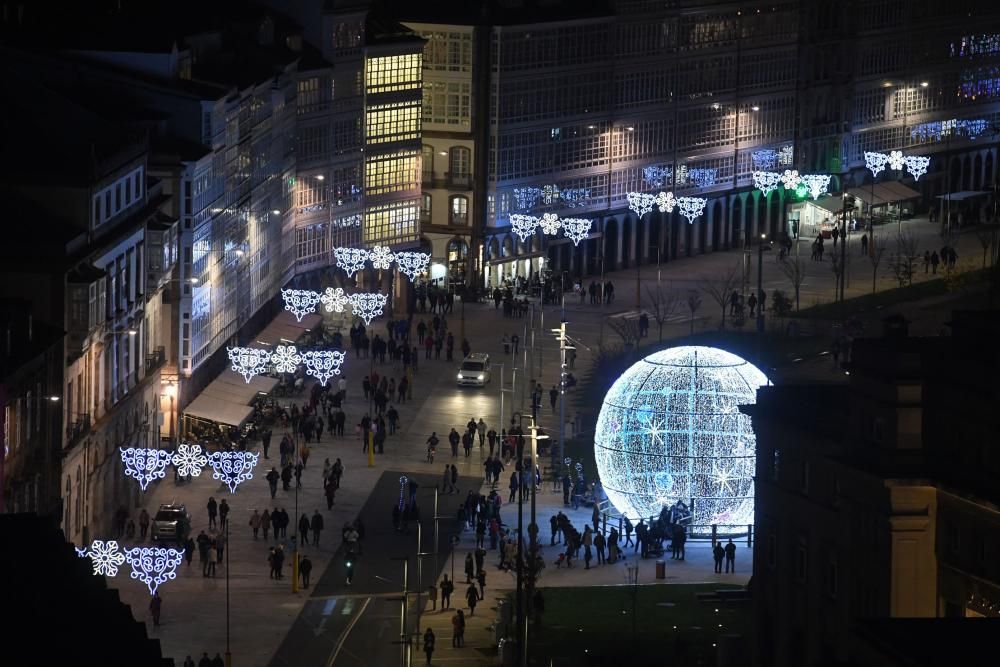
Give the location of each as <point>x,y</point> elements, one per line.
<point>718,553</point>
<point>317,527</point>
<point>429,640</point>
<point>305,568</point>
<point>304,529</point>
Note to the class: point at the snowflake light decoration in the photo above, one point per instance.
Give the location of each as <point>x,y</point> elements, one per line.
<point>549,223</point>
<point>817,184</point>
<point>106,557</point>
<point>334,300</point>
<point>665,202</point>
<point>412,264</point>
<point>323,364</point>
<point>766,181</point>
<point>154,566</point>
<point>523,225</point>
<point>368,305</point>
<point>381,257</point>
<point>144,465</point>
<point>300,302</point>
<point>232,468</point>
<point>791,179</point>
<point>576,229</point>
<point>640,203</point>
<point>249,361</point>
<point>351,260</point>
<point>691,207</point>
<point>670,429</point>
<point>285,359</point>
<point>896,160</point>
<point>917,165</point>
<point>875,162</point>
<point>189,460</point>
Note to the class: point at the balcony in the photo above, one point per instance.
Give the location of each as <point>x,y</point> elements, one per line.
<point>155,359</point>
<point>77,430</point>
<point>458,181</point>
<point>458,220</point>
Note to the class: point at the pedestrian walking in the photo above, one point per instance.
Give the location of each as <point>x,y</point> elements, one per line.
<point>305,568</point>
<point>220,548</point>
<point>553,397</point>
<point>223,514</point>
<point>481,579</point>
<point>212,559</point>
<point>429,644</point>
<point>143,523</point>
<point>458,625</point>
<point>272,481</point>
<point>469,569</point>
<point>155,606</point>
<point>255,523</point>
<point>265,522</point>
<point>472,599</point>
<point>446,588</point>
<point>317,527</point>
<point>189,549</point>
<point>304,529</point>
<point>213,511</point>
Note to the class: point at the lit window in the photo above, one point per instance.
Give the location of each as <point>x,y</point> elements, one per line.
<point>391,73</point>
<point>391,223</point>
<point>392,173</point>
<point>399,121</point>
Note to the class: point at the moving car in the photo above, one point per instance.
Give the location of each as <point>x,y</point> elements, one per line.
<point>171,523</point>
<point>475,370</point>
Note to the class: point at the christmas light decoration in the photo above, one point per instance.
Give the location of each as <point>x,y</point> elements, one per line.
<point>766,181</point>
<point>640,203</point>
<point>285,359</point>
<point>189,460</point>
<point>764,159</point>
<point>402,492</point>
<point>232,468</point>
<point>144,465</point>
<point>334,300</point>
<point>154,566</point>
<point>691,207</point>
<point>665,202</point>
<point>549,223</point>
<point>368,305</point>
<point>917,165</point>
<point>523,225</point>
<point>105,556</point>
<point>525,198</point>
<point>412,264</point>
<point>82,553</point>
<point>351,260</point>
<point>381,257</point>
<point>576,229</point>
<point>349,221</point>
<point>657,175</point>
<point>896,161</point>
<point>785,155</point>
<point>817,184</point>
<point>791,179</point>
<point>300,302</point>
<point>323,364</point>
<point>249,361</point>
<point>670,429</point>
<point>875,162</point>
<point>703,178</point>
<point>574,197</point>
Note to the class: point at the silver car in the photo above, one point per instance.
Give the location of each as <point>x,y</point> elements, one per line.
<point>171,523</point>
<point>475,370</point>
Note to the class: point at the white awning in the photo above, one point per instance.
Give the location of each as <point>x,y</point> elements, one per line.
<point>889,192</point>
<point>284,326</point>
<point>227,398</point>
<point>218,410</point>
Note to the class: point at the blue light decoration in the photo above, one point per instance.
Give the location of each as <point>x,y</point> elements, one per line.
<point>300,302</point>
<point>703,178</point>
<point>657,175</point>
<point>975,45</point>
<point>917,165</point>
<point>402,492</point>
<point>970,128</point>
<point>248,361</point>
<point>348,221</point>
<point>573,197</point>
<point>764,159</point>
<point>189,460</point>
<point>154,566</point>
<point>640,203</point>
<point>232,468</point>
<point>980,82</point>
<point>144,465</point>
<point>786,155</point>
<point>106,557</point>
<point>670,429</point>
<point>681,175</point>
<point>323,364</point>
<point>525,198</point>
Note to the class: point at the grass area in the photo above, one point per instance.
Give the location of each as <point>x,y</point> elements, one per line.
<point>593,626</point>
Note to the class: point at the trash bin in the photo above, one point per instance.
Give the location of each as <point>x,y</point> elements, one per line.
<point>661,569</point>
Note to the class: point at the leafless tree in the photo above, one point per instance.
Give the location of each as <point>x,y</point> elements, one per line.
<point>663,304</point>
<point>795,270</point>
<point>693,304</point>
<point>627,328</point>
<point>875,252</point>
<point>720,287</point>
<point>986,236</point>
<point>901,261</point>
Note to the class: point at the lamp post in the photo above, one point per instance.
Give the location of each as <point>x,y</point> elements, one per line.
<point>229,655</point>
<point>760,289</point>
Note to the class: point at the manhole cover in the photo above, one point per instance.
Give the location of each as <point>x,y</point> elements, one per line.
<point>665,604</point>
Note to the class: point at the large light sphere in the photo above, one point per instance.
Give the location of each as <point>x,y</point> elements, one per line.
<point>670,429</point>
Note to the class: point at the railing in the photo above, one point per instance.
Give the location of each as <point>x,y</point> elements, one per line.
<point>155,359</point>
<point>695,532</point>
<point>78,429</point>
<point>463,181</point>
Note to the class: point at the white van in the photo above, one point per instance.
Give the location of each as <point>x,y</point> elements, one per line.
<point>475,370</point>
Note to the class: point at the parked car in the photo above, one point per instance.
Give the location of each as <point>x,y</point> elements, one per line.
<point>171,522</point>
<point>475,370</point>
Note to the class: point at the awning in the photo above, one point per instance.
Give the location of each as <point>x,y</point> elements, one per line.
<point>217,410</point>
<point>834,204</point>
<point>284,326</point>
<point>889,192</point>
<point>965,194</point>
<point>514,258</point>
<point>227,398</point>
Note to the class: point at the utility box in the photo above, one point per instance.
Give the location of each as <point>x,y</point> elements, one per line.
<point>661,569</point>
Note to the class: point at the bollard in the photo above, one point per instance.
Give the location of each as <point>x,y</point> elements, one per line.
<point>749,535</point>
<point>715,532</point>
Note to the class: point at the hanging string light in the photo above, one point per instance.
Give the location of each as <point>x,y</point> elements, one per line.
<point>144,465</point>
<point>154,566</point>
<point>232,468</point>
<point>300,302</point>
<point>368,305</point>
<point>248,361</point>
<point>323,364</point>
<point>523,225</point>
<point>576,229</point>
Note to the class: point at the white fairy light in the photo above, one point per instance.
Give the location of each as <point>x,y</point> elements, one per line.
<point>657,175</point>
<point>351,260</point>
<point>368,305</point>
<point>349,221</point>
<point>875,162</point>
<point>523,225</point>
<point>300,302</point>
<point>576,229</point>
<point>249,361</point>
<point>381,257</point>
<point>549,223</point>
<point>791,179</point>
<point>106,557</point>
<point>154,566</point>
<point>640,203</point>
<point>670,429</point>
<point>189,460</point>
<point>764,159</point>
<point>82,553</point>
<point>334,300</point>
<point>766,181</point>
<point>666,202</point>
<point>817,184</point>
<point>896,161</point>
<point>286,359</point>
<point>412,264</point>
<point>232,468</point>
<point>144,465</point>
<point>323,364</point>
<point>691,207</point>
<point>917,165</point>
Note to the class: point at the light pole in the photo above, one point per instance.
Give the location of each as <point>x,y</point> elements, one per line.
<point>522,619</point>
<point>760,282</point>
<point>229,655</point>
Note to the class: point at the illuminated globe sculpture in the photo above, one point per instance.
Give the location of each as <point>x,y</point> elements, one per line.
<point>670,429</point>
